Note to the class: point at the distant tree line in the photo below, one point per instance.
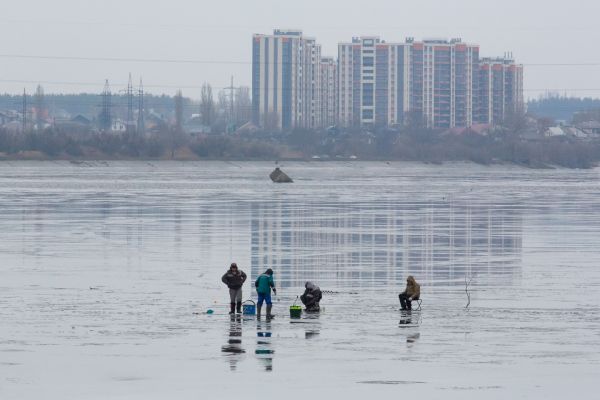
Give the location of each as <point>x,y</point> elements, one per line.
<point>561,107</point>
<point>409,144</point>
<point>231,108</point>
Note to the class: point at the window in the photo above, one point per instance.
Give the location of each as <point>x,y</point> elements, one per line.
<point>367,114</point>
<point>368,61</point>
<point>367,97</point>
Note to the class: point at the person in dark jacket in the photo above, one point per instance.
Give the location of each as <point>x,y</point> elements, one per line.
<point>412,292</point>
<point>264,283</point>
<point>311,297</point>
<point>234,278</point>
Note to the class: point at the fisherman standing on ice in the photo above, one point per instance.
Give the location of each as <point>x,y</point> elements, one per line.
<point>234,279</point>
<point>412,292</point>
<point>263,284</point>
<point>311,297</point>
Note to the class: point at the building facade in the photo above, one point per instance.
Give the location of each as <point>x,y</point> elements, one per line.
<point>384,84</point>
<point>444,82</point>
<point>373,82</point>
<point>286,81</point>
<point>500,89</point>
<point>436,83</point>
<point>328,91</point>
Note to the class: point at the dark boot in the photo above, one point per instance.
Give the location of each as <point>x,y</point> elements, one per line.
<point>269,307</point>
<point>258,307</point>
<point>402,301</point>
<point>239,307</point>
<point>232,308</point>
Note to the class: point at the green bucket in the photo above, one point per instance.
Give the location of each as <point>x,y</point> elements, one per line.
<point>295,312</point>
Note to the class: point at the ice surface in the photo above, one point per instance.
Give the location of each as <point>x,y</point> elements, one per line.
<point>108,269</point>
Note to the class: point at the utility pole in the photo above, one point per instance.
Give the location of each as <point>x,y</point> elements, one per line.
<point>129,122</point>
<point>140,122</point>
<point>24,110</point>
<point>231,119</point>
<point>231,99</point>
<point>105,118</point>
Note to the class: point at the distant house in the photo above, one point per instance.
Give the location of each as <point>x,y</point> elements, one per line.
<point>531,135</point>
<point>575,132</point>
<point>247,128</point>
<point>591,128</point>
<point>77,126</point>
<point>194,126</point>
<point>118,126</point>
<point>554,131</point>
<point>480,129</point>
<point>80,119</point>
<point>13,127</point>
<point>565,131</point>
<point>155,122</point>
<point>11,120</point>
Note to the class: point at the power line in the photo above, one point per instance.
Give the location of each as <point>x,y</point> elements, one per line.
<point>259,27</point>
<point>115,59</point>
<point>235,62</point>
<point>74,83</point>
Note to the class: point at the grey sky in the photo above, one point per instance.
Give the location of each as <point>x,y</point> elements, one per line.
<point>536,31</point>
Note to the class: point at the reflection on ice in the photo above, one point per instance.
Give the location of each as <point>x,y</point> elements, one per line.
<point>108,271</point>
<point>365,244</point>
<point>410,339</point>
<point>233,349</point>
<point>264,350</point>
<point>409,317</point>
<point>309,334</point>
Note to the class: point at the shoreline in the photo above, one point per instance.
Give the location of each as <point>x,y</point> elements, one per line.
<point>106,160</point>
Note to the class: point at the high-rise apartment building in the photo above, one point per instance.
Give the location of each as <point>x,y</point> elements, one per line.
<point>372,82</point>
<point>444,82</point>
<point>500,89</point>
<point>328,91</point>
<point>286,81</point>
<point>434,83</point>
<point>384,84</point>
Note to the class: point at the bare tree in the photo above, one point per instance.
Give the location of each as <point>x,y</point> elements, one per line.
<point>41,113</point>
<point>207,105</point>
<point>177,138</point>
<point>515,122</point>
<point>242,106</point>
<point>179,113</point>
<point>271,121</point>
<point>222,108</point>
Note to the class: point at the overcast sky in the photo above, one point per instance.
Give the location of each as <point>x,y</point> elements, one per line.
<point>219,32</point>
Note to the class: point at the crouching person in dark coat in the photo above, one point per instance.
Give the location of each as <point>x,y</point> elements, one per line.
<point>311,297</point>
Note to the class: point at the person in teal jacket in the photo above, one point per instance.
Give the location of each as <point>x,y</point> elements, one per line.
<point>263,284</point>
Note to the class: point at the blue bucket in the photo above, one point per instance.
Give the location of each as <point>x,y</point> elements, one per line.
<point>249,307</point>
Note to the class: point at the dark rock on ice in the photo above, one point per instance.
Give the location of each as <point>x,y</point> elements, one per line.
<point>278,176</point>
